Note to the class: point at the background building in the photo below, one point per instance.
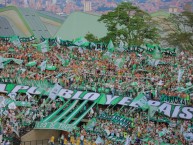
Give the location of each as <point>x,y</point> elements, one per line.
<point>87,6</point>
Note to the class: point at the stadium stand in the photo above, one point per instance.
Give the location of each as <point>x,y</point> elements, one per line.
<point>52,16</point>
<point>35,23</point>
<point>16,20</point>
<point>5,27</point>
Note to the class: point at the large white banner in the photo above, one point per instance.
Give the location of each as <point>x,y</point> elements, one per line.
<point>170,110</point>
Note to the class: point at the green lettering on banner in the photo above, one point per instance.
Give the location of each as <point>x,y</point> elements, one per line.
<point>116,119</point>
<point>55,126</point>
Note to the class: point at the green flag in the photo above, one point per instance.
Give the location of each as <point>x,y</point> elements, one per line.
<point>152,110</point>
<point>110,46</point>
<point>50,67</point>
<point>18,61</point>
<point>157,54</point>
<point>31,63</point>
<point>141,100</point>
<point>81,41</point>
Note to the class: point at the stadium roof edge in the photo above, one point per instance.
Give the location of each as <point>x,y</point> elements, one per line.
<point>14,8</point>
<point>160,13</point>
<point>50,17</point>
<point>78,24</point>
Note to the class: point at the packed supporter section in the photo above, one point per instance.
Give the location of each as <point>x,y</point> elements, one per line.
<point>143,94</point>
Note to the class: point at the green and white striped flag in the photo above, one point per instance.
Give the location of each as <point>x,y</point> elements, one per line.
<point>16,42</point>
<point>31,63</point>
<point>43,47</point>
<point>81,41</point>
<point>141,100</point>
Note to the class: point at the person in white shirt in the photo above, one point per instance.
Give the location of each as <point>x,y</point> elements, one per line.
<point>62,139</point>
<point>128,140</point>
<point>82,139</point>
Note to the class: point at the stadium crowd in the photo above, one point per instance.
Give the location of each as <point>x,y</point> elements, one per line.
<point>102,72</point>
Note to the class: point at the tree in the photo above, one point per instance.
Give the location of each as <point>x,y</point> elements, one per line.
<point>180,30</point>
<point>129,24</point>
<point>91,38</point>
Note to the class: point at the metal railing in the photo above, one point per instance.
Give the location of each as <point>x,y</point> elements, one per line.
<point>38,142</point>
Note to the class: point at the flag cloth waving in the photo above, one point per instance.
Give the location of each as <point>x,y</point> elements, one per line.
<point>2,102</point>
<point>152,110</point>
<point>121,46</point>
<point>180,74</point>
<point>12,106</point>
<point>81,42</point>
<point>43,47</point>
<point>16,42</point>
<point>141,100</point>
<point>157,54</point>
<point>110,46</point>
<point>43,65</point>
<point>1,62</point>
<point>99,140</point>
<point>54,92</point>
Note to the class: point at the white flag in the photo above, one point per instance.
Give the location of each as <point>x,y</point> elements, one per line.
<point>12,95</point>
<point>5,112</point>
<point>34,116</point>
<point>54,92</point>
<point>1,137</point>
<point>43,65</point>
<point>27,112</point>
<point>160,83</point>
<point>58,41</point>
<point>153,62</point>
<point>16,42</point>
<point>28,95</point>
<point>1,62</point>
<point>121,46</point>
<point>2,102</point>
<point>99,140</point>
<point>180,73</point>
<point>156,62</point>
<point>16,129</point>
<point>80,50</point>
<point>12,106</point>
<point>128,140</point>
